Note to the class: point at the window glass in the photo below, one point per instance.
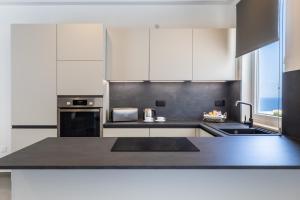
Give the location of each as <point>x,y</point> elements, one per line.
<point>269,71</point>
<point>269,80</point>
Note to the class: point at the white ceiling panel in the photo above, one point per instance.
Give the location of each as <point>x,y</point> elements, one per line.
<point>90,2</point>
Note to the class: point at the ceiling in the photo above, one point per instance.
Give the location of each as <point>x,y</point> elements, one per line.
<point>116,2</point>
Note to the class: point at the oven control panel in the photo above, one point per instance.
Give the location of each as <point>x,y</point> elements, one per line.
<point>69,102</point>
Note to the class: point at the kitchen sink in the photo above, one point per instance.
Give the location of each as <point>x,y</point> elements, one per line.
<point>248,131</point>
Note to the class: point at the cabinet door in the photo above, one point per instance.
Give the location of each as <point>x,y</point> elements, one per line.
<point>80,42</point>
<point>214,54</point>
<point>33,74</point>
<point>128,54</point>
<point>203,133</point>
<point>80,77</point>
<point>172,132</point>
<point>171,54</point>
<point>125,132</point>
<point>24,137</point>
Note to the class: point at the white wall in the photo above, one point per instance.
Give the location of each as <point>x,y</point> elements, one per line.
<point>247,80</point>
<point>124,15</point>
<point>113,15</point>
<point>293,35</point>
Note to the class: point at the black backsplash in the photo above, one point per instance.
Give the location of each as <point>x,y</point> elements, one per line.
<point>184,100</point>
<point>291,104</point>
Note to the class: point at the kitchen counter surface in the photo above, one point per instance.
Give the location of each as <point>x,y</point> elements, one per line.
<point>254,152</point>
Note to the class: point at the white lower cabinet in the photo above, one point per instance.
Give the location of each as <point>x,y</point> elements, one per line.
<point>155,132</point>
<point>203,133</point>
<point>25,137</point>
<point>172,132</point>
<point>126,132</point>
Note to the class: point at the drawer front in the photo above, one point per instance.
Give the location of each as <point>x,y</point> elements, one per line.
<point>126,132</point>
<point>203,133</point>
<point>172,132</point>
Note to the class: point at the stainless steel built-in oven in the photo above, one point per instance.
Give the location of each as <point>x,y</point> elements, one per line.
<point>79,116</point>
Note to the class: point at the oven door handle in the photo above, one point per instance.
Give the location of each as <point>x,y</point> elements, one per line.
<point>79,110</point>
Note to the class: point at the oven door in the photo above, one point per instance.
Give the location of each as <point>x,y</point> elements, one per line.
<point>79,122</point>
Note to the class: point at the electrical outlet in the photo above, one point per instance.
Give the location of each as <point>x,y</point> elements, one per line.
<point>160,103</point>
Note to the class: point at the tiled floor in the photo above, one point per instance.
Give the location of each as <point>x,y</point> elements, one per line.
<point>5,186</point>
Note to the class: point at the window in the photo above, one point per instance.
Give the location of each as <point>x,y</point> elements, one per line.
<point>268,80</point>
<point>268,75</point>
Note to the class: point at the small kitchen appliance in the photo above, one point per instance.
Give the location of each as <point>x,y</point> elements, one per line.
<point>149,114</point>
<point>124,114</point>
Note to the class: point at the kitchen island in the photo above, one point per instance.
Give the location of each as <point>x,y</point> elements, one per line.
<point>225,168</point>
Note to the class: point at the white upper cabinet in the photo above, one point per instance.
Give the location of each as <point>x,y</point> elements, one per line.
<point>214,54</point>
<point>80,59</point>
<point>80,42</point>
<point>33,74</point>
<point>171,54</point>
<point>128,54</point>
<point>80,77</point>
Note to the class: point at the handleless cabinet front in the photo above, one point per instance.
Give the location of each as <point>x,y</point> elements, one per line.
<point>171,54</point>
<point>172,132</point>
<point>202,133</point>
<point>214,54</point>
<point>126,132</point>
<point>33,74</point>
<point>80,42</point>
<point>128,54</point>
<point>80,77</point>
<point>22,138</point>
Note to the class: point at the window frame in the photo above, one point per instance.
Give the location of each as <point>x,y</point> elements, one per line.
<point>264,119</point>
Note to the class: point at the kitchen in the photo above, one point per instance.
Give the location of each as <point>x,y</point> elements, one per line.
<point>157,80</point>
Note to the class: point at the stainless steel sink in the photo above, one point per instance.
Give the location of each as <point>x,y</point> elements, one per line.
<point>249,131</point>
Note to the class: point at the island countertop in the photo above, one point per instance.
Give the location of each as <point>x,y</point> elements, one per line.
<point>249,152</point>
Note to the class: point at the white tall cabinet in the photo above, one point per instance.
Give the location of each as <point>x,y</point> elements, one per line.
<point>171,54</point>
<point>80,59</point>
<point>80,77</point>
<point>33,53</point>
<point>80,42</point>
<point>33,74</point>
<point>214,54</point>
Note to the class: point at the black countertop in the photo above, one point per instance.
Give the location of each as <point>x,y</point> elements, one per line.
<point>253,152</point>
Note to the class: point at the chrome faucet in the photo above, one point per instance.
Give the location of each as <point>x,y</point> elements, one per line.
<point>250,122</point>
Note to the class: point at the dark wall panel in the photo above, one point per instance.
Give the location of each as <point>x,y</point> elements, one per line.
<point>291,104</point>
<point>234,94</point>
<point>184,101</point>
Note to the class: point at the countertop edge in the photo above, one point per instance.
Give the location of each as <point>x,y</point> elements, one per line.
<point>151,167</point>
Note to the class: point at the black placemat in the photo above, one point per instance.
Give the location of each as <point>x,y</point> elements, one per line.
<point>154,145</point>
